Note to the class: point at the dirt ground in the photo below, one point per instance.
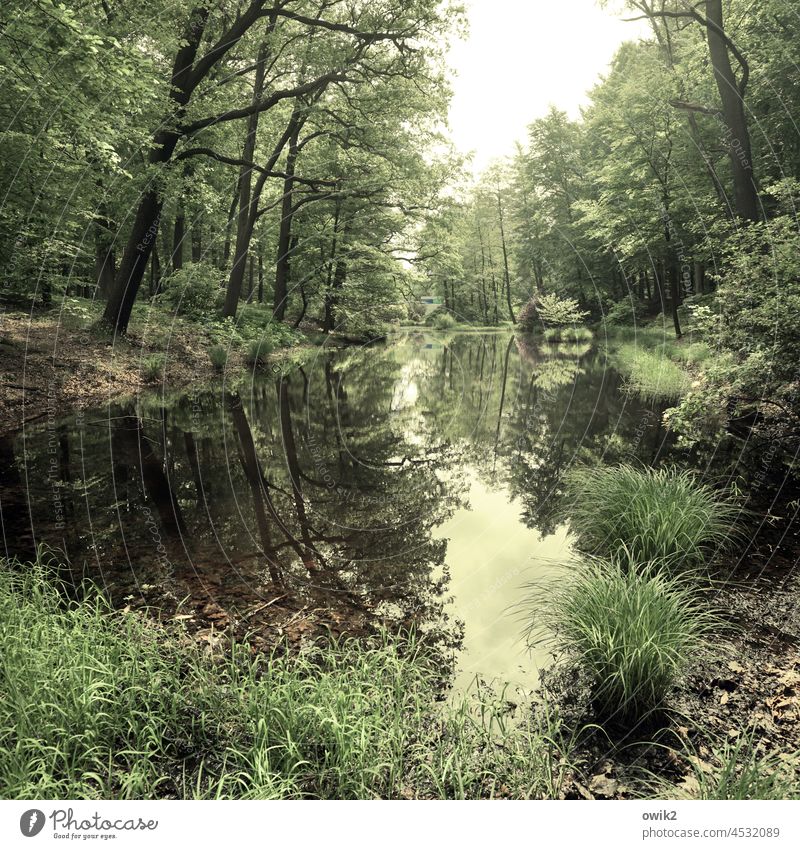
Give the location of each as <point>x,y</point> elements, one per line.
<point>49,364</point>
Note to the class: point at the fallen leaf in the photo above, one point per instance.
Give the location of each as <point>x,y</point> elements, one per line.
<point>603,786</point>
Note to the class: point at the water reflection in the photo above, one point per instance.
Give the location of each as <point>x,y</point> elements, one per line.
<point>420,483</point>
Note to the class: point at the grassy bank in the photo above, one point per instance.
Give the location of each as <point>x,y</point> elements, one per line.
<point>102,704</point>
<point>654,364</point>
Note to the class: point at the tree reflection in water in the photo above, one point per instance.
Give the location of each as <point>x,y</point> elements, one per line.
<point>324,499</point>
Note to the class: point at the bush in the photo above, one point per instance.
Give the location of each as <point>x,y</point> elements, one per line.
<point>626,313</point>
<point>632,631</point>
<point>153,367</point>
<point>754,324</point>
<point>528,316</point>
<point>443,321</point>
<point>654,514</point>
<point>194,291</point>
<point>218,355</point>
<point>551,311</point>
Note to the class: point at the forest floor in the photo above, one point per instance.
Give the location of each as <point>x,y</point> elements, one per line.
<point>56,361</point>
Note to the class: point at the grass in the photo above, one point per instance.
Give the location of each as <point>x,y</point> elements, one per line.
<point>258,351</point>
<point>653,514</point>
<point>568,334</point>
<point>650,373</point>
<point>218,355</point>
<point>102,704</point>
<point>737,770</point>
<point>153,367</point>
<point>631,630</point>
<point>692,353</point>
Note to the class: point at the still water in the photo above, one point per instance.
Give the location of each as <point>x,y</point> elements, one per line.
<point>419,483</point>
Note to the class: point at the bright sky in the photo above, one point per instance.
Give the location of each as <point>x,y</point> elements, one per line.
<point>521,56</point>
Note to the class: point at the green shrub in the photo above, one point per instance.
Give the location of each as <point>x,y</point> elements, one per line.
<point>258,351</point>
<point>631,630</point>
<point>218,355</point>
<point>443,321</point>
<point>655,514</point>
<point>752,321</point>
<point>194,291</point>
<point>550,311</point>
<point>153,367</point>
<point>628,312</point>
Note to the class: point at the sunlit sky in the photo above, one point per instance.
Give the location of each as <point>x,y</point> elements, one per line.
<point>521,56</point>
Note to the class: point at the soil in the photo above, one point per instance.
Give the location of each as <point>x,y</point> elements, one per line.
<point>48,367</point>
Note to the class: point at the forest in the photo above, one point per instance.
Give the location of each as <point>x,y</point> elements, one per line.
<point>332,467</point>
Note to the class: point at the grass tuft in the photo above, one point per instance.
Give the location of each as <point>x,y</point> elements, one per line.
<point>218,355</point>
<point>153,367</point>
<point>737,771</point>
<point>631,630</point>
<point>258,351</point>
<point>653,514</point>
<point>650,373</point>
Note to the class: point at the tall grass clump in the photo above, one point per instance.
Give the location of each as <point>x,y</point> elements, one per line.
<point>218,354</point>
<point>650,373</point>
<point>444,321</point>
<point>258,351</point>
<point>632,631</point>
<point>96,703</point>
<point>652,514</point>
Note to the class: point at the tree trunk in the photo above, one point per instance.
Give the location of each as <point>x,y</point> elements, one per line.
<point>197,240</point>
<point>148,214</point>
<point>506,274</point>
<point>732,97</point>
<point>699,277</point>
<point>226,249</point>
<point>246,219</point>
<point>155,270</point>
<point>334,281</point>
<point>178,235</point>
<point>104,259</point>
<point>283,261</point>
